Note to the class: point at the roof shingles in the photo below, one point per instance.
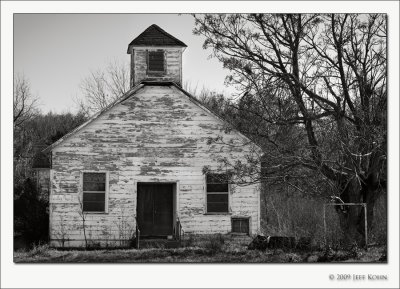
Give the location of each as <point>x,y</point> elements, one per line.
<point>155,36</point>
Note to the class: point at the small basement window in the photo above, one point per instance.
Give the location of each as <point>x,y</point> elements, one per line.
<point>94,192</point>
<point>240,225</point>
<point>217,193</point>
<point>155,61</point>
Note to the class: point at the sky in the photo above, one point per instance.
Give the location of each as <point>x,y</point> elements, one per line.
<point>56,51</point>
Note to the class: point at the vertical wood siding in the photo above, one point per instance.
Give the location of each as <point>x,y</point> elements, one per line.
<point>173,62</point>
<point>157,135</point>
<point>42,181</point>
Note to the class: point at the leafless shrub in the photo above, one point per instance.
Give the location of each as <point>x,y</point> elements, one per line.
<point>293,216</point>
<point>61,234</point>
<point>39,250</point>
<point>125,228</point>
<point>189,241</point>
<point>214,243</point>
<point>102,87</point>
<point>107,236</point>
<point>82,215</point>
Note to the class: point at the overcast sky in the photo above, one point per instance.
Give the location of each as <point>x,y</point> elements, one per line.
<point>56,51</point>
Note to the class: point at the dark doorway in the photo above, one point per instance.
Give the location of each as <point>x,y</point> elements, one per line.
<point>155,209</point>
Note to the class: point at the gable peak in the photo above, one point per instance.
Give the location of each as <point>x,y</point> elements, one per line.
<point>154,35</point>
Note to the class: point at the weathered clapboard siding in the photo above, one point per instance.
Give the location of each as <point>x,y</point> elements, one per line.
<point>42,176</point>
<point>173,59</point>
<point>156,135</point>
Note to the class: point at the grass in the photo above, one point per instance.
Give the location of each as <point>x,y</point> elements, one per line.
<point>225,254</point>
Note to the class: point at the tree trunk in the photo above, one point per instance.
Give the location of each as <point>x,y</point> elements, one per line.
<point>352,225</point>
<point>352,218</point>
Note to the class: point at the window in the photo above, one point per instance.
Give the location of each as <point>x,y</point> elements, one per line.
<point>217,193</point>
<point>240,225</point>
<point>155,61</point>
<point>94,192</point>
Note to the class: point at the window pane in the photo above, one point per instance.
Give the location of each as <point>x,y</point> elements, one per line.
<point>217,187</point>
<point>240,225</point>
<point>217,178</point>
<point>93,206</point>
<point>235,226</point>
<point>89,186</point>
<point>244,226</point>
<point>94,177</point>
<point>94,181</point>
<point>96,197</point>
<point>217,207</point>
<point>156,60</point>
<point>217,198</point>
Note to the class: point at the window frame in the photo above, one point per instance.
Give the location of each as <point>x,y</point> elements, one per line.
<point>228,212</point>
<point>106,195</point>
<point>248,219</point>
<point>148,51</point>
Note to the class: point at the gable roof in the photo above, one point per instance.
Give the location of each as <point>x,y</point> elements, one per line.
<point>155,36</point>
<point>93,117</point>
<point>133,91</point>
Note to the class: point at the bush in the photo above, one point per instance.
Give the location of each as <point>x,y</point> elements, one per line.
<point>31,218</point>
<point>39,250</point>
<point>214,243</point>
<point>293,215</point>
<point>189,241</point>
<point>378,234</point>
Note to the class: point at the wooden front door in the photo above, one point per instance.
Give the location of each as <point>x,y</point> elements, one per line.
<point>155,209</point>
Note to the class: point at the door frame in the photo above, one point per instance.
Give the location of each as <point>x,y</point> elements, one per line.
<point>175,189</point>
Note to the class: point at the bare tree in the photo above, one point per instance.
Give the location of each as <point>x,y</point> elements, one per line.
<point>62,233</point>
<point>323,79</point>
<point>125,228</point>
<point>24,111</point>
<point>83,214</point>
<point>25,104</point>
<point>102,87</point>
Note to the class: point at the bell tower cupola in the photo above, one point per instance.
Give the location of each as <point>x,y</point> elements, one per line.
<point>156,56</point>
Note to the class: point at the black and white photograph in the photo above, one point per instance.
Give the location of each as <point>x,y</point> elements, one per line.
<point>256,138</point>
